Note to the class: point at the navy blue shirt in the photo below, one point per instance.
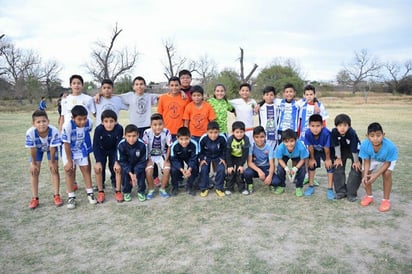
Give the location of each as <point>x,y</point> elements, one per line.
<point>131,157</point>
<point>212,150</point>
<point>179,154</point>
<point>105,142</point>
<point>348,142</point>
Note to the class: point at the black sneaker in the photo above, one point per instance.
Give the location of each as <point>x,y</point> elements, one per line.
<point>174,191</point>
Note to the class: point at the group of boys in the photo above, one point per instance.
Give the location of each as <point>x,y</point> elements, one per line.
<point>184,140</point>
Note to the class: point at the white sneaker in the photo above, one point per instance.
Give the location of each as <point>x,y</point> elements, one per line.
<point>91,198</point>
<point>245,192</point>
<point>228,192</point>
<point>71,203</point>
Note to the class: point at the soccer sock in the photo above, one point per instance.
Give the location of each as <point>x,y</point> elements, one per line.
<point>72,195</point>
<point>89,191</point>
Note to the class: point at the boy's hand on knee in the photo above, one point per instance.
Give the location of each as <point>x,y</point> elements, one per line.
<point>357,166</point>
<point>241,169</point>
<point>69,166</point>
<point>98,167</point>
<point>229,170</point>
<point>328,164</point>
<point>34,169</point>
<point>117,167</point>
<point>338,162</point>
<point>312,163</point>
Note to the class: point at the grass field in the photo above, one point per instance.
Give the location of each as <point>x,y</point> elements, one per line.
<point>260,233</point>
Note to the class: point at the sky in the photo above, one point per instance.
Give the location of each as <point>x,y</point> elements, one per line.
<point>320,36</point>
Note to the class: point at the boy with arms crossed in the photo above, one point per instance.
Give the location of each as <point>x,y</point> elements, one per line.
<point>40,138</point>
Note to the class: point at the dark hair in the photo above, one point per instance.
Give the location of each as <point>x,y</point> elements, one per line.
<point>220,85</point>
<point>79,110</point>
<point>213,125</point>
<point>238,125</point>
<point>316,118</point>
<point>196,88</point>
<point>289,85</point>
<point>131,128</point>
<point>174,79</point>
<point>107,81</point>
<point>140,78</point>
<point>309,87</point>
<point>108,113</point>
<point>43,97</point>
<point>156,117</point>
<point>342,119</point>
<point>374,127</point>
<point>245,85</point>
<point>76,76</point>
<point>185,72</point>
<point>268,89</point>
<point>289,134</point>
<point>258,130</point>
<point>39,113</point>
<point>183,131</point>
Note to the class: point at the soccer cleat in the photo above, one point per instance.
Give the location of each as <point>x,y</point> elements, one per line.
<point>127,197</point>
<point>163,193</point>
<point>91,198</point>
<point>228,192</point>
<point>174,191</point>
<point>329,194</point>
<point>385,206</point>
<point>141,197</point>
<point>151,194</point>
<point>306,181</point>
<point>279,190</point>
<point>250,188</point>
<point>75,186</point>
<point>204,193</point>
<point>220,193</point>
<point>309,191</point>
<point>100,197</point>
<point>57,200</point>
<point>299,192</point>
<point>118,196</point>
<point>71,203</point>
<point>34,203</point>
<point>245,192</point>
<point>367,200</point>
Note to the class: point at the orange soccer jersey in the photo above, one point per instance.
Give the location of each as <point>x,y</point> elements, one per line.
<point>199,117</point>
<point>172,109</point>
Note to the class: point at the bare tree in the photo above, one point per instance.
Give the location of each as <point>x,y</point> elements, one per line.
<point>364,67</point>
<point>206,68</point>
<point>396,76</point>
<point>242,71</point>
<point>109,63</point>
<point>174,62</point>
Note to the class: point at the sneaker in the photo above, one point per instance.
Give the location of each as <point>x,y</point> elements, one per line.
<point>127,197</point>
<point>95,189</point>
<point>190,191</point>
<point>204,193</point>
<point>315,182</point>
<point>75,186</point>
<point>329,194</point>
<point>228,192</point>
<point>385,206</point>
<point>118,196</point>
<point>299,192</point>
<point>156,181</point>
<point>91,198</point>
<point>163,193</point>
<point>150,195</point>
<point>352,198</point>
<point>34,203</point>
<point>100,197</point>
<point>220,193</point>
<point>71,203</point>
<point>340,196</point>
<point>250,188</point>
<point>279,190</point>
<point>306,181</point>
<point>141,197</point>
<point>245,192</point>
<point>366,200</point>
<point>309,191</point>
<point>174,191</point>
<point>57,200</point>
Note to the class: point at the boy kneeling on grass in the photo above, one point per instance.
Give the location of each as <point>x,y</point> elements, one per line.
<point>379,155</point>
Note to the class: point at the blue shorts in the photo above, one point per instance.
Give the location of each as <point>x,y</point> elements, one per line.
<point>39,155</point>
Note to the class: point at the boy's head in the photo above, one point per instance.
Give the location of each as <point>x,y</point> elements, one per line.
<point>289,139</point>
<point>238,129</point>
<point>79,115</point>
<point>185,78</point>
<point>269,94</point>
<point>259,136</point>
<point>375,134</point>
<point>156,123</point>
<point>213,130</point>
<point>309,92</point>
<point>197,94</point>
<point>109,119</point>
<point>244,91</point>
<point>174,85</point>
<point>40,120</point>
<point>107,88</point>
<point>342,123</point>
<point>289,92</point>
<point>43,98</point>
<point>183,136</point>
<point>76,84</point>
<point>139,85</point>
<point>131,134</point>
<point>315,124</point>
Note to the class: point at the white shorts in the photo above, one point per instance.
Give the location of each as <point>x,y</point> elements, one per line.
<point>376,165</point>
<point>83,161</point>
<point>159,161</point>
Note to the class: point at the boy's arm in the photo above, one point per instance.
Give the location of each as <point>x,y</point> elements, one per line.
<point>222,151</point>
<point>312,160</point>
<point>68,152</point>
<point>370,178</point>
<point>328,161</point>
<point>193,161</point>
<point>252,165</point>
<point>245,151</point>
<point>186,123</point>
<point>34,170</point>
<point>122,158</point>
<point>229,160</point>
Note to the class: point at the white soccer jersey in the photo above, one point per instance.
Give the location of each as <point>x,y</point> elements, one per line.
<point>74,100</point>
<point>244,111</point>
<point>157,145</point>
<point>43,143</point>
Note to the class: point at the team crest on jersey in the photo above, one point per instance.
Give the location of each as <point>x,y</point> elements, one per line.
<point>137,153</point>
<point>141,106</point>
<point>174,110</point>
<point>198,121</point>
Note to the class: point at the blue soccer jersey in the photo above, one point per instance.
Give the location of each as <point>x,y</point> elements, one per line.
<point>387,153</point>
<point>261,155</point>
<point>299,151</point>
<point>321,142</point>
